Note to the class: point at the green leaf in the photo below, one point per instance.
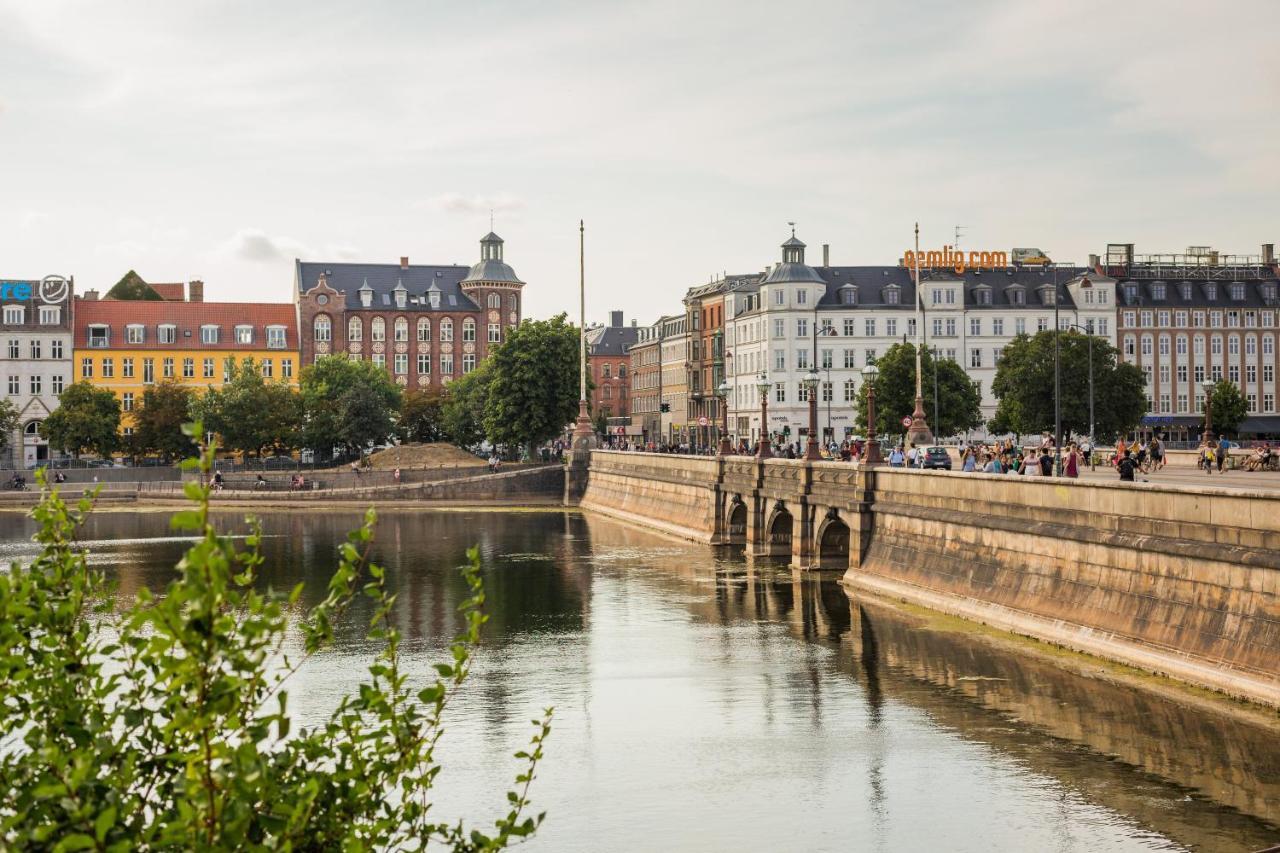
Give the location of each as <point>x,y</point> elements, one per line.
<point>105,820</point>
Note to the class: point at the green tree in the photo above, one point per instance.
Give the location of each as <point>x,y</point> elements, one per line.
<point>466,399</point>
<point>422,415</point>
<point>87,420</point>
<point>1024,387</point>
<point>9,418</point>
<point>959,400</point>
<point>132,288</point>
<point>166,725</point>
<point>324,387</point>
<point>365,417</point>
<point>534,390</point>
<point>159,420</point>
<point>1229,406</point>
<point>251,414</point>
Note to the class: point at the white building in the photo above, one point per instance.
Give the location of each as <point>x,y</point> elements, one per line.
<point>35,327</point>
<point>840,319</point>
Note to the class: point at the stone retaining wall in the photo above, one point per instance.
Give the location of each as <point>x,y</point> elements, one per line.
<point>675,494</point>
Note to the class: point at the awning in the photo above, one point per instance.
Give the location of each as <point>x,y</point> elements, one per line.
<point>1260,424</point>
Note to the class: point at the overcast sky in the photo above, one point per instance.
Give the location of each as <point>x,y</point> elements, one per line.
<point>221,139</point>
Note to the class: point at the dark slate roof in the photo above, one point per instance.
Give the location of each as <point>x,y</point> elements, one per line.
<point>382,280</point>
<point>872,282</point>
<point>784,273</point>
<point>1199,295</point>
<point>614,340</point>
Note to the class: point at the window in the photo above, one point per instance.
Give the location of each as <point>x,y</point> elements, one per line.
<point>826,359</point>
<point>997,325</point>
<point>424,330</point>
<point>148,371</point>
<point>850,391</point>
<point>869,326</point>
<point>1130,345</point>
<point>268,368</point>
<point>802,393</point>
<point>56,382</point>
<point>514,303</point>
<point>849,359</point>
<point>424,363</point>
<point>495,300</point>
<point>951,327</point>
<point>975,358</point>
<point>802,358</point>
<point>1215,319</point>
<point>401,363</point>
<point>469,364</point>
<point>975,327</point>
<point>126,366</point>
<point>167,367</point>
<point>14,314</point>
<point>622,371</point>
<point>35,348</point>
<point>1130,319</point>
<point>355,329</point>
<point>275,337</point>
<point>802,327</point>
<point>779,392</point>
<point>937,296</point>
<point>1250,345</point>
<point>1268,402</point>
<point>891,296</point>
<point>1180,319</point>
<point>1237,293</point>
<point>1017,296</point>
<point>802,296</point>
<point>127,401</point>
<point>1164,404</point>
<point>135,334</point>
<point>209,333</point>
<point>1146,345</point>
<point>1162,318</point>
<point>1182,373</point>
<point>870,356</point>
<point>379,360</point>
<point>1146,319</point>
<point>378,329</point>
<point>108,368</point>
<point>55,348</point>
<point>286,368</point>
<point>1233,319</point>
<point>1251,373</point>
<point>86,368</point>
<point>937,327</point>
<point>50,315</point>
<point>1103,325</point>
<point>982,295</point>
<point>1042,324</point>
<point>606,371</point>
<point>446,363</point>
<point>1164,345</point>
<point>778,297</point>
<point>468,329</point>
<point>167,333</point>
<point>891,327</point>
<point>1158,290</point>
<point>848,327</point>
<point>402,329</point>
<point>1182,404</point>
<point>207,368</point>
<point>1233,345</point>
<point>1181,345</point>
<point>495,333</point>
<point>446,334</point>
<point>848,296</point>
<point>322,329</point>
<point>13,386</point>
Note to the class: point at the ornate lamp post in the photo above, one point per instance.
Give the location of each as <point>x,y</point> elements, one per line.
<point>765,448</point>
<point>872,455</point>
<point>723,391</point>
<point>811,385</point>
<point>1207,436</point>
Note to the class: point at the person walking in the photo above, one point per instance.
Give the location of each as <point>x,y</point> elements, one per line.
<point>1224,450</point>
<point>970,461</point>
<point>1071,465</point>
<point>1046,462</point>
<point>1206,457</point>
<point>1126,466</point>
<point>896,457</point>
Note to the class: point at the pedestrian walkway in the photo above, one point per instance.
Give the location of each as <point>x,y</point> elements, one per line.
<point>1183,476</point>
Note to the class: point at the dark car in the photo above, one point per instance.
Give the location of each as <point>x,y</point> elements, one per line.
<point>937,457</point>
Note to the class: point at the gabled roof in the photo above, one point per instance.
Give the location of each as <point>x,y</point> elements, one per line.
<point>613,340</point>
<point>382,280</point>
<point>188,317</point>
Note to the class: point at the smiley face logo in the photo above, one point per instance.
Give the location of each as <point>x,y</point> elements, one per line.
<point>54,289</point>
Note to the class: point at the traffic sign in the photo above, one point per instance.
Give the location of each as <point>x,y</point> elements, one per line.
<point>702,421</point>
<point>906,422</point>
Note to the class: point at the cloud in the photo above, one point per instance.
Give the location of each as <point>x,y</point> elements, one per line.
<point>252,244</point>
<point>458,203</point>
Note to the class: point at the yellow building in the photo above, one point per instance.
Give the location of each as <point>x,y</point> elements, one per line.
<point>129,346</point>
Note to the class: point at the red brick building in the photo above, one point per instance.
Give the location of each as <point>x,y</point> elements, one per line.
<point>608,361</point>
<point>426,324</point>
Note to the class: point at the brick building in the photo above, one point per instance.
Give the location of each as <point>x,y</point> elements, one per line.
<point>426,324</point>
<point>607,364</point>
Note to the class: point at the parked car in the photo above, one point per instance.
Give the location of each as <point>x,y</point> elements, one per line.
<point>937,457</point>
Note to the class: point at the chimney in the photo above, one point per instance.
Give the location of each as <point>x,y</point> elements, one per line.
<point>404,262</point>
<point>195,290</point>
<point>1094,262</point>
<point>615,319</point>
<point>1268,254</point>
<point>90,296</point>
<point>826,254</point>
<point>633,324</point>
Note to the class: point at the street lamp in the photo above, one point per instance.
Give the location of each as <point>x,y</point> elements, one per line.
<point>1057,373</point>
<point>725,448</point>
<point>872,455</point>
<point>1207,436</point>
<point>764,449</point>
<point>811,385</point>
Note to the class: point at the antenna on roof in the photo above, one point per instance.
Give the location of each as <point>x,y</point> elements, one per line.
<point>793,228</point>
<point>959,230</point>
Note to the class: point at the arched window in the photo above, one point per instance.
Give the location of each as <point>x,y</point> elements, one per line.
<point>424,329</point>
<point>495,300</point>
<point>378,329</point>
<point>355,329</point>
<point>622,371</point>
<point>606,371</point>
<point>514,302</point>
<point>32,428</point>
<point>322,329</point>
<point>402,329</point>
<point>468,329</point>
<point>446,329</point>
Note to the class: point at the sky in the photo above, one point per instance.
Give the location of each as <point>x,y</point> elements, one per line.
<point>220,140</point>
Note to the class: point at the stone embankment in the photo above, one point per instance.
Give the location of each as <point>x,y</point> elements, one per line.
<point>1180,581</point>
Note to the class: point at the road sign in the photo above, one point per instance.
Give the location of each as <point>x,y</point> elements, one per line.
<point>906,422</point>
<point>702,421</point>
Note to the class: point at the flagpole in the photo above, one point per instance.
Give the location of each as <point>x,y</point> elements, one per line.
<point>583,433</point>
<point>919,433</point>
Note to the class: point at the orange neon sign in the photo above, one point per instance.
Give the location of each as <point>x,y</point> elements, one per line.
<point>955,259</point>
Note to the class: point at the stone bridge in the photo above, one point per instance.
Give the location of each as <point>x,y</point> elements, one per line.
<point>1178,580</point>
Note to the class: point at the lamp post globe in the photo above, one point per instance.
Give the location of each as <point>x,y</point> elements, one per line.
<point>764,449</point>
<point>811,386</point>
<point>871,456</point>
<point>723,391</point>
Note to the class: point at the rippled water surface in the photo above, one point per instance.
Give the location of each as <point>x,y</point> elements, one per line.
<point>706,704</point>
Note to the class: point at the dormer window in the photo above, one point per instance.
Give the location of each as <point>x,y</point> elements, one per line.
<point>167,333</point>
<point>1237,291</point>
<point>401,298</point>
<point>892,294</point>
<point>1268,292</point>
<point>135,333</point>
<point>208,334</point>
<point>1046,294</point>
<point>275,337</point>
<point>99,337</point>
<point>1211,292</point>
<point>1185,290</point>
<point>366,295</point>
<point>849,295</point>
<point>1017,295</point>
<point>1130,292</point>
<point>244,334</point>
<point>434,298</point>
<point>982,294</point>
<point>1158,290</point>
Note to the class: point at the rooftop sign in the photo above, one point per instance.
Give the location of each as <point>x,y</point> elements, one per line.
<point>954,259</point>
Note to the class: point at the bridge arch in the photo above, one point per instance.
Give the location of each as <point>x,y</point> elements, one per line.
<point>735,525</point>
<point>779,530</point>
<point>833,542</point>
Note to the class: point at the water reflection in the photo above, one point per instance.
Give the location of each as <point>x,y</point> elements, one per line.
<point>706,702</point>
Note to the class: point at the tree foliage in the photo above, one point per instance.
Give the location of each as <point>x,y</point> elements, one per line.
<point>422,415</point>
<point>1229,406</point>
<point>250,413</point>
<point>1024,387</point>
<point>466,399</point>
<point>159,420</point>
<point>534,390</point>
<point>165,725</point>
<point>329,394</point>
<point>9,419</point>
<point>958,396</point>
<point>87,420</point>
<point>132,288</point>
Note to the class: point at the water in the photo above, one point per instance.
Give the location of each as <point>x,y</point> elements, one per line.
<point>704,704</point>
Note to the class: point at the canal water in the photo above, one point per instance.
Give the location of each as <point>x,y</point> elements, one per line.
<point>704,704</point>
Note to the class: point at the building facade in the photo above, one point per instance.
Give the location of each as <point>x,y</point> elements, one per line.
<point>674,371</point>
<point>129,346</point>
<point>426,324</point>
<point>608,367</point>
<point>37,318</point>
<point>1196,318</point>
<point>646,385</point>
